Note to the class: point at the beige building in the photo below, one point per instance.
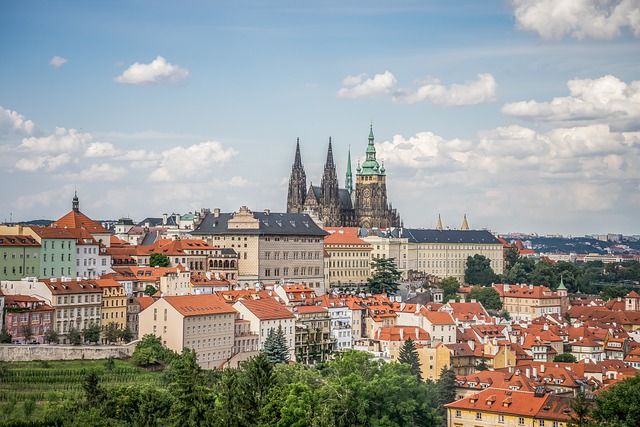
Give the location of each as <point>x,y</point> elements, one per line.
<point>433,359</point>
<point>204,323</point>
<point>439,252</point>
<point>265,314</point>
<point>314,342</point>
<point>271,247</point>
<point>528,302</point>
<point>166,280</point>
<point>349,258</point>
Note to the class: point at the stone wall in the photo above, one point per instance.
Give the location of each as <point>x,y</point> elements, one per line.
<point>19,353</point>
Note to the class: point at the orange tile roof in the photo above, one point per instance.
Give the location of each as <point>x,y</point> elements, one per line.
<point>18,240</point>
<point>79,220</point>
<point>144,302</point>
<point>402,333</point>
<point>310,309</point>
<point>107,283</point>
<point>438,317</point>
<point>71,286</point>
<point>199,305</point>
<point>52,233</point>
<point>344,236</point>
<point>172,247</point>
<point>267,309</point>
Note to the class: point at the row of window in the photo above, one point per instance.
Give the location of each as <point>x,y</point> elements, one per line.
<point>295,255</point>
<point>13,255</point>
<point>297,271</point>
<point>13,270</point>
<point>521,420</point>
<point>72,299</point>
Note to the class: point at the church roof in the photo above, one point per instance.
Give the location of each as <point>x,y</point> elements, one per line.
<point>79,220</point>
<point>269,224</point>
<point>344,197</point>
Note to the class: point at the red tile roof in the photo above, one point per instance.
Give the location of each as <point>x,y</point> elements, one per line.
<point>267,309</point>
<point>199,305</point>
<point>344,236</point>
<point>79,220</point>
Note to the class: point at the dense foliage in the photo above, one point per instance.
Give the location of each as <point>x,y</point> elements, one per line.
<point>610,280</point>
<point>409,355</point>
<point>157,259</point>
<point>488,297</point>
<point>450,286</point>
<point>565,358</point>
<point>275,346</point>
<point>478,271</point>
<point>385,277</point>
<point>352,390</point>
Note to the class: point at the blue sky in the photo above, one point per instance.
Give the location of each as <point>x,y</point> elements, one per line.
<point>522,114</point>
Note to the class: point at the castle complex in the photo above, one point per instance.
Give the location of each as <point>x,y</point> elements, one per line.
<point>366,206</point>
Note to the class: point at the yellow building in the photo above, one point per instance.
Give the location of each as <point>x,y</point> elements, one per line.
<point>498,354</point>
<point>114,304</point>
<point>349,257</point>
<point>433,359</point>
<point>504,407</point>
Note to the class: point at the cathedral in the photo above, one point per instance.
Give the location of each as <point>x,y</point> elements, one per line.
<point>365,206</point>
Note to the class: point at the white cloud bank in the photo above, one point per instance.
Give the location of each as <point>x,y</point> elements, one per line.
<point>479,91</point>
<point>361,86</point>
<point>159,71</point>
<point>14,123</point>
<point>57,61</point>
<point>606,100</point>
<point>580,19</point>
<point>184,164</point>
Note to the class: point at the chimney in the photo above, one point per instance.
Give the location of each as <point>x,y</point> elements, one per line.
<point>542,369</point>
<point>208,275</point>
<point>535,372</point>
<point>417,334</point>
<point>267,211</point>
<point>164,219</point>
<point>527,373</point>
<point>505,287</point>
<point>216,212</point>
<point>530,286</point>
<point>401,334</point>
<point>472,344</point>
<point>402,306</point>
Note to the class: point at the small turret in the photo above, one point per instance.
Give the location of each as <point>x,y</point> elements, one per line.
<point>465,224</point>
<point>75,204</point>
<point>439,224</point>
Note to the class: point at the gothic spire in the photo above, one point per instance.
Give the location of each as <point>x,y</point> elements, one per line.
<point>349,179</point>
<point>439,225</point>
<point>297,162</point>
<point>329,163</point>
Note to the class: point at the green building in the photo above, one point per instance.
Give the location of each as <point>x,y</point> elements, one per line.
<point>19,257</point>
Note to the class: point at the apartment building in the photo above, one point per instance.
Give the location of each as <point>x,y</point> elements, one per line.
<point>348,261</point>
<point>265,314</point>
<point>204,323</point>
<point>114,303</point>
<point>528,302</point>
<point>272,247</point>
<point>314,342</point>
<point>27,318</point>
<point>19,257</point>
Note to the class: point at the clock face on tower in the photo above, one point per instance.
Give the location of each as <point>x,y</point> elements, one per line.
<point>366,192</point>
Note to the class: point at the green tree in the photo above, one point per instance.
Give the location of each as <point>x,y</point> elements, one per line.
<point>74,336</point>
<point>511,257</point>
<point>446,388</point>
<point>488,297</point>
<point>482,365</point>
<point>478,271</point>
<point>385,276</point>
<point>5,336</point>
<point>275,346</point>
<point>581,406</point>
<point>193,399</point>
<point>150,290</point>
<point>143,405</point>
<point>504,314</point>
<point>27,333</point>
<point>159,260</point>
<point>92,389</point>
<point>256,383</point>
<point>125,335</point>
<point>565,358</point>
<point>409,355</point>
<point>619,404</point>
<point>111,332</point>
<point>92,333</point>
<point>450,286</point>
<point>544,274</point>
<point>51,337</point>
<point>150,351</point>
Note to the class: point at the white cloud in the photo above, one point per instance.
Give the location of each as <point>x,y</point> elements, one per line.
<point>603,100</point>
<point>101,149</point>
<point>43,163</point>
<point>61,140</point>
<point>12,122</point>
<point>580,19</point>
<point>157,72</point>
<point>239,182</point>
<point>101,172</point>
<point>57,61</point>
<point>480,91</point>
<point>360,86</point>
<point>184,164</point>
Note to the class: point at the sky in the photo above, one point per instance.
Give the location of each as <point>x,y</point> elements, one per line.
<point>522,114</point>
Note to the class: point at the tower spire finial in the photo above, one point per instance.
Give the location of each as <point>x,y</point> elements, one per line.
<point>465,224</point>
<point>349,179</point>
<point>439,224</point>
<point>75,204</point>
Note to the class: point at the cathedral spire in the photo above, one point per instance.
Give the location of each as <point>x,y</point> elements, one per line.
<point>465,224</point>
<point>75,204</point>
<point>439,225</point>
<point>370,165</point>
<point>297,162</point>
<point>349,179</point>
<point>329,163</point>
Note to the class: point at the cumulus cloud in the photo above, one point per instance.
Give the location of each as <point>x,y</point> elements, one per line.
<point>158,71</point>
<point>603,100</point>
<point>95,172</point>
<point>12,122</point>
<point>57,61</point>
<point>61,140</point>
<point>580,19</point>
<point>101,149</point>
<point>43,163</point>
<point>479,91</point>
<point>361,86</point>
<point>183,164</point>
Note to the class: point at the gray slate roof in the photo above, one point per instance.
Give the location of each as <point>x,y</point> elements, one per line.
<point>418,235</point>
<point>290,224</point>
<point>344,198</point>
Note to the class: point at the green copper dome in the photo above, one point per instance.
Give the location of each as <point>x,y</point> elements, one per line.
<point>370,165</point>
